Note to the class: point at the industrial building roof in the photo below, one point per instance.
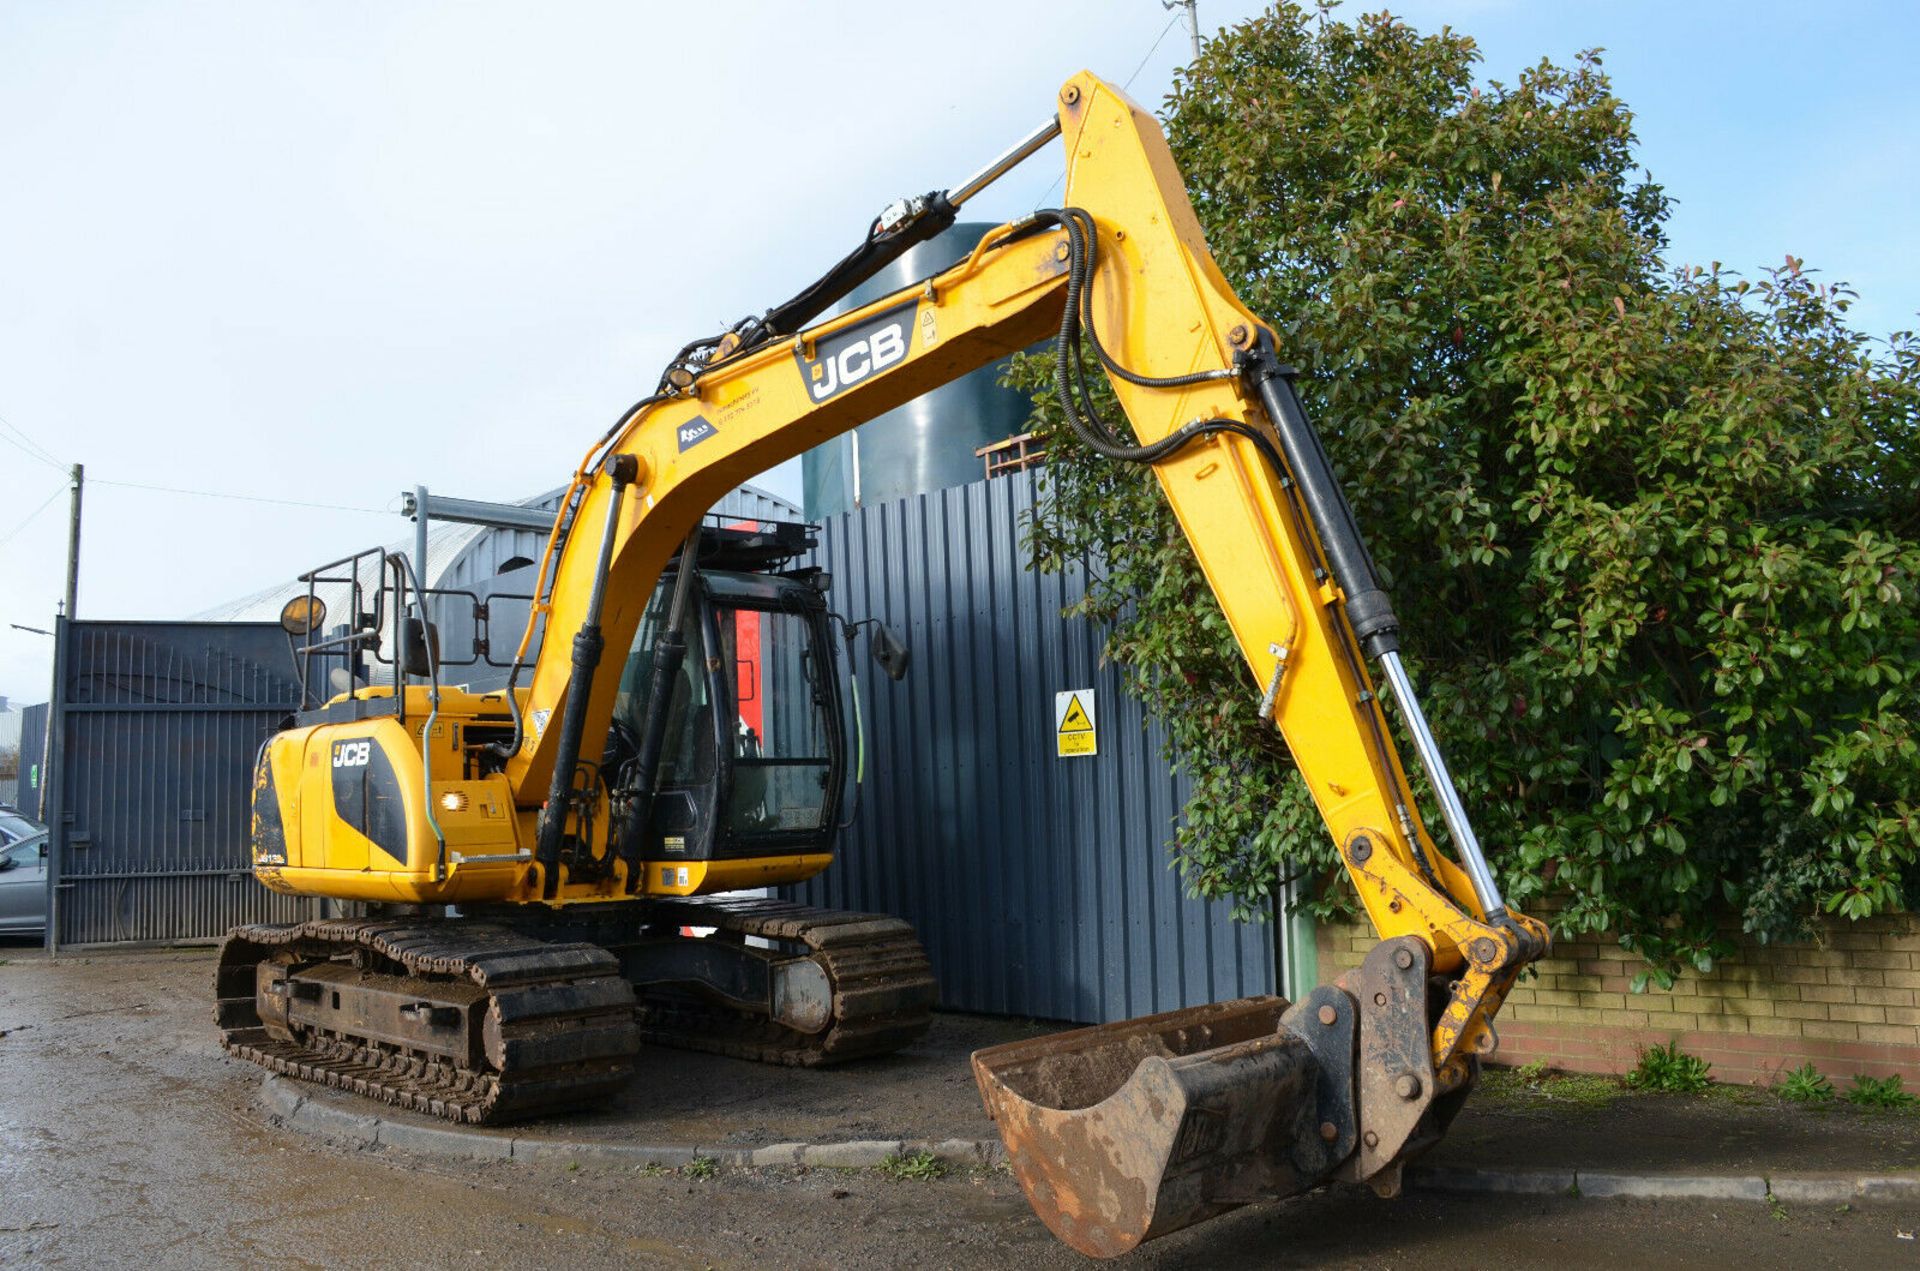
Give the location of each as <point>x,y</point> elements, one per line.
<point>459,556</point>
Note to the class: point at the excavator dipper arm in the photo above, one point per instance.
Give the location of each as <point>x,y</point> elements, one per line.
<point>1197,1111</point>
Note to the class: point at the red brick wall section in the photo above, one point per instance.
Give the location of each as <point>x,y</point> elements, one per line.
<point>1849,1002</point>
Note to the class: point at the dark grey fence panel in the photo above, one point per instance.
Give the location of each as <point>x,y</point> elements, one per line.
<point>158,726</point>
<point>1040,884</point>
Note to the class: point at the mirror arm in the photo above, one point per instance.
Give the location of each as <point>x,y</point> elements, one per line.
<point>849,628</point>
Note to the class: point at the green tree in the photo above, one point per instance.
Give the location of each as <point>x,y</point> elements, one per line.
<point>1653,532</point>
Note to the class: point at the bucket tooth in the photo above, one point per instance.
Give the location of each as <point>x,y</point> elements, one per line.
<point>1125,1132</point>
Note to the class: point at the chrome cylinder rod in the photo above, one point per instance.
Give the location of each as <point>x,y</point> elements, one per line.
<point>1465,843</point>
<point>1009,160</point>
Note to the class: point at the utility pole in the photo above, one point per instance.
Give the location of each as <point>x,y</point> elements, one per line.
<point>1193,20</point>
<point>52,757</point>
<point>73,539</point>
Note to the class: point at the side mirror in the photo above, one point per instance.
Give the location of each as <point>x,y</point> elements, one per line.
<point>890,651</point>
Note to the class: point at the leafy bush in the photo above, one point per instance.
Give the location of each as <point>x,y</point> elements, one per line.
<point>1806,1084</point>
<point>1880,1092</point>
<point>1670,1070</point>
<point>1653,532</point>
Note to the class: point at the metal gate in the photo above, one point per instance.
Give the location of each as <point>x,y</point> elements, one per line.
<point>154,730</point>
<point>1039,883</point>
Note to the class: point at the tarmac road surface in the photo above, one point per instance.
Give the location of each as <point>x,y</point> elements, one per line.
<point>128,1139</point>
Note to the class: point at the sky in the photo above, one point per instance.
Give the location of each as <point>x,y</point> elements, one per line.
<point>295,258</point>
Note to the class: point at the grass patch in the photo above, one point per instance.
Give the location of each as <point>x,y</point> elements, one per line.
<point>921,1167</point>
<point>1806,1084</point>
<point>1880,1092</point>
<point>1535,1084</point>
<point>701,1167</point>
<point>1739,1096</point>
<point>1582,1088</point>
<point>654,1169</point>
<point>1670,1070</point>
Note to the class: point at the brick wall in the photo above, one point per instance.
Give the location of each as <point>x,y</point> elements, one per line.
<point>1850,1003</point>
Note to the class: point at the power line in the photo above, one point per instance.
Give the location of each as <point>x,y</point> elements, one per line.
<point>57,492</point>
<point>34,450</point>
<point>244,498</point>
<point>1192,8</point>
<point>1151,50</point>
<point>31,453</point>
<point>30,446</point>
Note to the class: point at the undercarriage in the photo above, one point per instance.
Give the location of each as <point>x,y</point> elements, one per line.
<point>510,1014</point>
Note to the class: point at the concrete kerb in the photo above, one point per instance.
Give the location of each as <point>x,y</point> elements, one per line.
<point>288,1104</point>
<point>1786,1189</point>
<point>285,1101</point>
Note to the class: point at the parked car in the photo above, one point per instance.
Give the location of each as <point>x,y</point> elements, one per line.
<point>23,885</point>
<point>14,826</point>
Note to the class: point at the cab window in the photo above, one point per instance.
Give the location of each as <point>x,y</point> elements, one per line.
<point>686,755</point>
<point>781,756</point>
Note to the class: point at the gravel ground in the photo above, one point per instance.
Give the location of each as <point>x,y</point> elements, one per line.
<point>923,1092</point>
<point>127,1139</point>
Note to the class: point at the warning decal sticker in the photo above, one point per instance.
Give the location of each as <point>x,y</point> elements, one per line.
<point>1074,732</point>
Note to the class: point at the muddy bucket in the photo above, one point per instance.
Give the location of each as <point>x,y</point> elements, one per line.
<point>1124,1132</point>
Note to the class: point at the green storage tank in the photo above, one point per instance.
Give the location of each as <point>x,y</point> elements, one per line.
<point>929,443</point>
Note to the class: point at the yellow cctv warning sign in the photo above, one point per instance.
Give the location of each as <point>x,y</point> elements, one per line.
<point>1073,727</point>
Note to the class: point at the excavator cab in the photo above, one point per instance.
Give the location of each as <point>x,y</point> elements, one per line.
<point>753,742</point>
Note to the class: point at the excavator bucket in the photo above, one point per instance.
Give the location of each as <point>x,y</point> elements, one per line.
<point>1125,1132</point>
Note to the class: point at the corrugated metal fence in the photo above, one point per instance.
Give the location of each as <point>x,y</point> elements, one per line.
<point>1041,885</point>
<point>156,725</point>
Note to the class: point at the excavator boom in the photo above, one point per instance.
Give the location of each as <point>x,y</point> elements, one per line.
<point>1220,1106</point>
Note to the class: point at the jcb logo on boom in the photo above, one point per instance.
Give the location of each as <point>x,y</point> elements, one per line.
<point>352,754</point>
<point>845,358</point>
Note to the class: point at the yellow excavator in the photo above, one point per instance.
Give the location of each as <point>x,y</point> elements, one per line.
<point>539,878</point>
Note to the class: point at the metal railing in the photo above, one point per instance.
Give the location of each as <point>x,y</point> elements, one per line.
<point>383,597</point>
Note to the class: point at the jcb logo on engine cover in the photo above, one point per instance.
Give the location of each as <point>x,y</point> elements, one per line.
<point>352,754</point>
<point>846,357</point>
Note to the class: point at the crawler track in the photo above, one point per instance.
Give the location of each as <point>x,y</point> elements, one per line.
<point>558,1024</point>
<point>883,986</point>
